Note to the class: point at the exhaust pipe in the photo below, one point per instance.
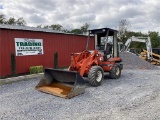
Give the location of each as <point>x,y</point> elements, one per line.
<point>66,84</point>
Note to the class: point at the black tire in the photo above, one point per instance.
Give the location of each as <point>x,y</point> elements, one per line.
<point>115,72</point>
<point>95,75</point>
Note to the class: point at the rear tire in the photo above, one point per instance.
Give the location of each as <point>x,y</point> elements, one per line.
<point>95,75</point>
<point>115,72</point>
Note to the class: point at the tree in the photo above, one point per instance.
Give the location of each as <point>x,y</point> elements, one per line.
<point>123,28</point>
<point>21,22</point>
<point>76,31</point>
<point>84,28</point>
<point>11,21</point>
<point>46,26</point>
<point>155,40</point>
<point>39,26</point>
<point>57,27</point>
<point>2,19</point>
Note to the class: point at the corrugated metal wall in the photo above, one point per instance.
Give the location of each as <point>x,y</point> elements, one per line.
<point>64,44</point>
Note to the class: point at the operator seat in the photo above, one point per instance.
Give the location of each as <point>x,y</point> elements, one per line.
<point>108,51</point>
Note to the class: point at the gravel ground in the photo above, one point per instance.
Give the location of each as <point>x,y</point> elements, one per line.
<point>132,61</point>
<point>135,96</point>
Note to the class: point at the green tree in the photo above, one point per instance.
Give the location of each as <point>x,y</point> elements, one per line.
<point>84,28</point>
<point>56,27</point>
<point>155,40</point>
<point>46,26</point>
<point>13,64</point>
<point>20,21</point>
<point>11,21</point>
<point>2,19</point>
<point>76,31</point>
<point>39,26</point>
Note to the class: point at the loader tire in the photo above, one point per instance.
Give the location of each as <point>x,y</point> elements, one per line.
<point>95,75</point>
<point>115,72</point>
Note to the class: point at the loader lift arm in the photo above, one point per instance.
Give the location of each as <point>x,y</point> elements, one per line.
<point>83,61</point>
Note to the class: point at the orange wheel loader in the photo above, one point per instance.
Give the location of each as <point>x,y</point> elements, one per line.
<point>91,63</point>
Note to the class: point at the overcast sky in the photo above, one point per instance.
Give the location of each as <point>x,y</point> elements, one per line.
<point>143,15</point>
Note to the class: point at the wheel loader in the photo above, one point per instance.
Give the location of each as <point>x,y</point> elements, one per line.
<point>90,63</point>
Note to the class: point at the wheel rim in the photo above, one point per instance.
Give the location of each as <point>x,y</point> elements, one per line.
<point>117,71</point>
<point>99,76</point>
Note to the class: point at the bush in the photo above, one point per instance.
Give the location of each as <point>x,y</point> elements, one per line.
<point>36,69</point>
<point>13,64</point>
<point>56,60</point>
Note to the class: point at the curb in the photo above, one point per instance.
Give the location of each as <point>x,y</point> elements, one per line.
<point>20,78</point>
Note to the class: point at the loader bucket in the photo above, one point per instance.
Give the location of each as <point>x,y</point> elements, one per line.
<point>66,84</point>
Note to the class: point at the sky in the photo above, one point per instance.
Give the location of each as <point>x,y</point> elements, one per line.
<point>143,15</point>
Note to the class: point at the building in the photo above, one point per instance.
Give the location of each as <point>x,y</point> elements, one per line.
<point>36,46</point>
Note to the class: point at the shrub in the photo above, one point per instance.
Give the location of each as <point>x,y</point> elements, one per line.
<point>56,60</point>
<point>13,64</point>
<point>36,69</point>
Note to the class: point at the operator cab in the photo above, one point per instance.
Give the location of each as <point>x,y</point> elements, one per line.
<point>106,41</point>
<point>101,41</point>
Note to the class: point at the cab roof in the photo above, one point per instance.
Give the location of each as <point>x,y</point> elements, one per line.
<point>102,31</point>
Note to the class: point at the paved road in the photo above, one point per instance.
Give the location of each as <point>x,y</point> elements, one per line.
<point>135,96</point>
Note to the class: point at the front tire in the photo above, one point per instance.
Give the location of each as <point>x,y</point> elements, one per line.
<point>115,72</point>
<point>95,75</point>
